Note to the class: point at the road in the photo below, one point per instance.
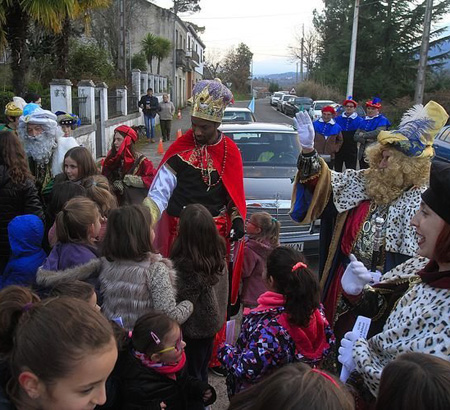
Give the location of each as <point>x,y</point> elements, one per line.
<point>264,112</point>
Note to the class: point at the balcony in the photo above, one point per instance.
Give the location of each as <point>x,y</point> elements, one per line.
<point>181,60</point>
<point>193,56</point>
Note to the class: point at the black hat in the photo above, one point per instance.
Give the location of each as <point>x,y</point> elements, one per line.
<point>437,196</point>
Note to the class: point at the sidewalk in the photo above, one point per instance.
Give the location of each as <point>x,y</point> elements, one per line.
<point>150,150</point>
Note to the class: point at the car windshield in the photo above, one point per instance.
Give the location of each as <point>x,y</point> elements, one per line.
<point>320,105</point>
<point>302,101</point>
<point>265,148</point>
<point>237,116</point>
<point>278,95</point>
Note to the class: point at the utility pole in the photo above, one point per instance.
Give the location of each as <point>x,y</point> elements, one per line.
<point>421,72</point>
<point>301,53</point>
<point>351,64</point>
<point>122,63</point>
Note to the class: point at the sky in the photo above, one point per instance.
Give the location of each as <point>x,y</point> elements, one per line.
<point>267,27</point>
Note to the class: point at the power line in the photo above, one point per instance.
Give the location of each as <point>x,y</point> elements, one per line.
<point>244,17</point>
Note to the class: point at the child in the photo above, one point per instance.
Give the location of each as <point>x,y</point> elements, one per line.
<point>78,290</point>
<point>263,233</point>
<point>295,386</point>
<point>98,189</point>
<point>415,381</point>
<point>198,254</point>
<point>62,193</point>
<point>152,369</point>
<point>26,233</point>
<point>287,326</point>
<point>133,279</point>
<point>75,255</point>
<point>59,352</point>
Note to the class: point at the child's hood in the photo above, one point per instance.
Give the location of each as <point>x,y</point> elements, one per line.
<point>25,234</point>
<point>262,248</point>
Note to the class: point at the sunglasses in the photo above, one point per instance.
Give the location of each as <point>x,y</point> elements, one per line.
<point>178,345</point>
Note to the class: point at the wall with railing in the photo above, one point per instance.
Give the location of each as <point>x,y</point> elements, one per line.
<point>100,109</point>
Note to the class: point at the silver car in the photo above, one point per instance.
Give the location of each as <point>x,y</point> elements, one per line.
<point>269,153</point>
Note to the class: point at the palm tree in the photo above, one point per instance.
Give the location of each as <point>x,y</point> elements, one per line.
<point>15,19</point>
<point>81,8</point>
<point>162,50</point>
<point>149,48</point>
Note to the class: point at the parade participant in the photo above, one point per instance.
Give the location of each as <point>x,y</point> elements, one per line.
<point>287,326</point>
<point>38,131</point>
<point>328,136</point>
<point>418,321</point>
<point>18,194</point>
<point>13,111</point>
<point>166,112</point>
<point>59,352</point>
<point>349,121</point>
<point>150,106</point>
<point>31,97</point>
<point>129,172</point>
<point>67,122</point>
<point>202,166</point>
<point>370,127</point>
<point>389,189</point>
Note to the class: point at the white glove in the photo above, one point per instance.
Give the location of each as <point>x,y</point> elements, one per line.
<point>305,129</point>
<point>346,351</point>
<point>355,277</point>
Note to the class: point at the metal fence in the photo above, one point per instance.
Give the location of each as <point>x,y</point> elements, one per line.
<point>79,107</point>
<point>132,104</point>
<point>114,105</point>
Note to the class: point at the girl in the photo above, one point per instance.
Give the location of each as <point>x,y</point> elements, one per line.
<point>130,172</point>
<point>263,233</point>
<point>99,190</point>
<point>75,255</point>
<point>78,290</point>
<point>198,254</point>
<point>134,279</point>
<point>18,194</point>
<point>295,386</point>
<point>287,326</point>
<point>415,381</point>
<point>152,371</point>
<point>60,351</point>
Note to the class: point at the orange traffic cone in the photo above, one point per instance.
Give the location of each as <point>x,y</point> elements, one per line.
<point>160,149</point>
<point>179,133</point>
<point>179,114</point>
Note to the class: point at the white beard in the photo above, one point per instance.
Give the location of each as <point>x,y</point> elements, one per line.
<point>39,148</point>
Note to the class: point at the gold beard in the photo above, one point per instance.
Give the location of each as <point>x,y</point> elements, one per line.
<point>386,185</point>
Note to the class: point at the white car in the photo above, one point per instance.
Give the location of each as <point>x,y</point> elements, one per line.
<point>238,115</point>
<point>315,112</point>
<point>275,97</point>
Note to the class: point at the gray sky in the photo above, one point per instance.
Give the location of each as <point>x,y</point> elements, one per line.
<point>268,27</point>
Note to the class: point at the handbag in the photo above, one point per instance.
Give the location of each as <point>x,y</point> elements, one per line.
<point>133,195</point>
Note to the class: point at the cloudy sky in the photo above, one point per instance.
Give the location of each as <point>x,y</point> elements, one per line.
<point>268,27</point>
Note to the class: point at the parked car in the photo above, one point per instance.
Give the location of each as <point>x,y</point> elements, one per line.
<point>283,100</point>
<point>275,97</point>
<point>238,115</point>
<point>315,112</point>
<point>269,154</point>
<point>295,104</point>
<point>442,144</point>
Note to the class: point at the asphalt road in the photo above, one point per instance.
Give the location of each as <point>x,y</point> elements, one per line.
<point>264,112</point>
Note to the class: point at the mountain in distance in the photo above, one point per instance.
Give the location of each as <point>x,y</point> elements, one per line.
<point>281,76</point>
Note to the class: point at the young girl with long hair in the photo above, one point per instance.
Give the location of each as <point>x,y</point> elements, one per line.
<point>263,232</point>
<point>57,354</point>
<point>134,279</point>
<point>75,254</point>
<point>198,254</point>
<point>288,325</point>
<point>125,168</point>
<point>152,369</point>
<point>18,194</point>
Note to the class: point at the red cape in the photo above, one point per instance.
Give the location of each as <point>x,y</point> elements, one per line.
<point>233,174</point>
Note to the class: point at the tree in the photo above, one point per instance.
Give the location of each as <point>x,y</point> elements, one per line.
<point>15,19</point>
<point>149,48</point>
<point>184,6</point>
<point>139,61</point>
<point>236,67</point>
<point>162,49</point>
<point>214,61</point>
<point>310,49</point>
<point>273,87</point>
<point>389,36</point>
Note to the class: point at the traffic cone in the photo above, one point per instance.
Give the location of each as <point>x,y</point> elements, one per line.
<point>160,149</point>
<point>179,114</point>
<point>179,133</point>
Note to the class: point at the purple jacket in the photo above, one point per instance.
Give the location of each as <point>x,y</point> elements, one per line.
<point>255,257</point>
<point>67,255</point>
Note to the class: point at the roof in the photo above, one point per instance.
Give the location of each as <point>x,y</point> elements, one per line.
<point>256,126</point>
<point>237,109</point>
